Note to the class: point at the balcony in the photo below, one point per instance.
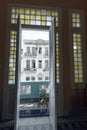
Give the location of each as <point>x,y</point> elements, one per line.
<point>30,54</point>
<point>30,69</point>
<point>46,69</point>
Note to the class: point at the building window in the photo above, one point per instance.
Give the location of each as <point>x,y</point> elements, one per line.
<point>27,64</point>
<point>33,64</point>
<point>46,51</point>
<point>44,87</point>
<point>40,64</point>
<point>27,78</point>
<point>34,51</point>
<point>28,50</point>
<point>39,78</point>
<point>32,78</point>
<point>46,67</point>
<point>40,50</point>
<point>77,48</point>
<point>46,78</point>
<point>25,89</point>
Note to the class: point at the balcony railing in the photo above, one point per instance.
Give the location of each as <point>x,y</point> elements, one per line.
<point>30,54</point>
<point>30,69</point>
<point>46,69</point>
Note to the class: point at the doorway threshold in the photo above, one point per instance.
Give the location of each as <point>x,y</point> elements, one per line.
<point>35,123</point>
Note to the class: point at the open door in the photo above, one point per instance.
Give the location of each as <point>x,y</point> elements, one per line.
<point>52,78</point>
<point>18,69</point>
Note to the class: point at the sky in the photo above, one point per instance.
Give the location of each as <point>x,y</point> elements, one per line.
<point>35,34</point>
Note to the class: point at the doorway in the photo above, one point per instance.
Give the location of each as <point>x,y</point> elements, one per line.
<point>36,78</point>
<point>34,73</point>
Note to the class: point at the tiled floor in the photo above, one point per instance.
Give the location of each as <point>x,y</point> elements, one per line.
<point>75,123</point>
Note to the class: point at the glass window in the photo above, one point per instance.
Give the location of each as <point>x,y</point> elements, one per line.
<point>34,50</point>
<point>33,64</point>
<point>25,89</point>
<point>27,78</point>
<point>76,20</point>
<point>27,64</point>
<point>32,78</point>
<point>46,78</point>
<point>29,16</point>
<point>40,64</point>
<point>40,50</point>
<point>28,50</point>
<point>46,64</point>
<point>77,53</point>
<point>46,51</point>
<point>39,78</point>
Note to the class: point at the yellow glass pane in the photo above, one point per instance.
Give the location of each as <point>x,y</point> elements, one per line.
<point>26,21</point>
<point>73,20</point>
<point>32,17</point>
<point>79,35</point>
<point>49,13</point>
<point>75,51</point>
<point>56,34</point>
<point>57,19</point>
<point>10,72</point>
<point>56,24</point>
<point>74,24</point>
<point>21,16</point>
<point>78,20</point>
<point>57,38</point>
<point>17,11</point>
<point>22,11</point>
<point>38,18</point>
<point>11,44</point>
<point>13,21</point>
<point>13,16</point>
<point>78,15</point>
<point>79,43</point>
<point>43,23</point>
<point>76,80</point>
<point>11,52</point>
<point>32,11</point>
<point>79,51</point>
<point>12,36</point>
<point>55,13</point>
<point>10,77</point>
<point>73,15</point>
<point>13,10</point>
<point>43,18</point>
<point>11,56</point>
<point>57,76</point>
<point>11,48</point>
<point>80,67</point>
<point>57,46</point>
<point>22,21</point>
<point>38,12</point>
<point>57,42</point>
<point>81,80</point>
<point>81,71</point>
<point>27,11</point>
<point>27,17</point>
